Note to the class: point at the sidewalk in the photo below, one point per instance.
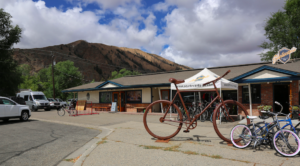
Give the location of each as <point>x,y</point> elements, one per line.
<point>130,144</point>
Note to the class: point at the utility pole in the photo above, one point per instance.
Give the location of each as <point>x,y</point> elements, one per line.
<point>53,74</point>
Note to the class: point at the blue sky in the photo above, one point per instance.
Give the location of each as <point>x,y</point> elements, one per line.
<point>195,33</point>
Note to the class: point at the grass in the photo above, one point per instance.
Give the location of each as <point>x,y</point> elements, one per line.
<point>212,156</point>
<point>73,160</point>
<point>190,152</point>
<point>103,141</point>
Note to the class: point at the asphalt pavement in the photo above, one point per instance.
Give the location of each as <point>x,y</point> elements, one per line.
<point>36,143</point>
<point>126,142</point>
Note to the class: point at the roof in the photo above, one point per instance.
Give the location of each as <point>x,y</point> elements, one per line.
<point>162,78</point>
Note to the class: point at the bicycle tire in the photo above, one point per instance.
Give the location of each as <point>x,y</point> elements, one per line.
<point>241,136</point>
<point>290,141</point>
<point>222,134</point>
<point>61,111</point>
<point>155,128</point>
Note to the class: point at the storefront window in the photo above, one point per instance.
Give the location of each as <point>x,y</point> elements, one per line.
<point>255,93</point>
<point>134,96</point>
<point>105,97</point>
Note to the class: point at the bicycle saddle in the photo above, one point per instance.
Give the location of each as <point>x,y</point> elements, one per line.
<point>263,117</point>
<point>173,80</point>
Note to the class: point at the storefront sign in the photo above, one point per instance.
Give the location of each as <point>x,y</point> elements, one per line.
<point>283,55</point>
<point>113,107</point>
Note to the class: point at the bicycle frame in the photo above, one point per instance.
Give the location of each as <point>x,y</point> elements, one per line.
<point>187,112</point>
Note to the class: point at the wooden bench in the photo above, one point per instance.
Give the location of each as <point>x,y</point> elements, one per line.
<point>101,108</point>
<point>135,109</point>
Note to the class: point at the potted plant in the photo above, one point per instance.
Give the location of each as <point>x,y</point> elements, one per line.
<point>264,108</point>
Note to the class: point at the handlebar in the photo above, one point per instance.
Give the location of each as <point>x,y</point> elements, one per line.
<point>217,78</point>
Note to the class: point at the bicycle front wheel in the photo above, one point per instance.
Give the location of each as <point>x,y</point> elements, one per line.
<point>160,127</point>
<point>222,128</point>
<point>61,111</point>
<point>286,143</point>
<point>241,136</point>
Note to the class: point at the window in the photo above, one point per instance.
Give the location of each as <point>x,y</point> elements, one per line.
<point>134,96</point>
<point>39,97</point>
<point>26,97</point>
<point>105,97</point>
<point>30,98</point>
<point>8,102</point>
<point>255,93</point>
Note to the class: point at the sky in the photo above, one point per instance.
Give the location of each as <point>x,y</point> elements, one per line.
<point>205,33</point>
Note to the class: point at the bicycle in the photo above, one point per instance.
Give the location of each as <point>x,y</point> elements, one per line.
<point>176,120</point>
<point>70,109</point>
<point>285,142</point>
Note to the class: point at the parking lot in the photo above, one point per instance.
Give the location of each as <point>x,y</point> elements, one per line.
<point>38,143</point>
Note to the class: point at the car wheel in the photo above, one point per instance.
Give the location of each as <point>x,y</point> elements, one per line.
<point>24,116</point>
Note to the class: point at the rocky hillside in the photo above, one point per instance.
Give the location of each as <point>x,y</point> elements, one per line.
<point>95,61</point>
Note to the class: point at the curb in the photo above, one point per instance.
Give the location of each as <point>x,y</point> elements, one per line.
<point>83,152</point>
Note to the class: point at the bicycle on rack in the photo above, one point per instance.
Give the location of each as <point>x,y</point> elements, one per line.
<point>285,142</point>
<point>176,120</point>
<point>70,109</point>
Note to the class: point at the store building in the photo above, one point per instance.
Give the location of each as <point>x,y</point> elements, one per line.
<point>266,83</point>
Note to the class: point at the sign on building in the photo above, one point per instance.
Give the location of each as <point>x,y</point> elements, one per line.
<point>113,107</point>
<point>283,55</point>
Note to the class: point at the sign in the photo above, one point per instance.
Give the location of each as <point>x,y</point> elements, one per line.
<point>283,55</point>
<point>113,107</point>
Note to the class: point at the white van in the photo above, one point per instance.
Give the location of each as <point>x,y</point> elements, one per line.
<point>35,100</point>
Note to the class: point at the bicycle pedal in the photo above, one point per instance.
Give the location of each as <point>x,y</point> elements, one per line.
<point>186,131</point>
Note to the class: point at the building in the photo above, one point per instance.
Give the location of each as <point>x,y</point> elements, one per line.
<point>267,82</point>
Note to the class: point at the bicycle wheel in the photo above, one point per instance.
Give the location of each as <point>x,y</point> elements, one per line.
<point>286,143</point>
<point>159,127</point>
<point>223,128</point>
<point>61,111</point>
<point>241,136</point>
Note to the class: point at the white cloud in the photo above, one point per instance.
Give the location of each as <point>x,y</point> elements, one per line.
<point>199,33</point>
<point>107,4</point>
<point>212,28</point>
<point>43,26</point>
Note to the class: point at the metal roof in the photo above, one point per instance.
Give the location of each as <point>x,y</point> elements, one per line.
<point>160,78</point>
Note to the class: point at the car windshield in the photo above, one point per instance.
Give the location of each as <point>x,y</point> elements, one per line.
<point>39,97</point>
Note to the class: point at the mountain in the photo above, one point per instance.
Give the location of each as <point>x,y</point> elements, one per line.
<point>95,60</point>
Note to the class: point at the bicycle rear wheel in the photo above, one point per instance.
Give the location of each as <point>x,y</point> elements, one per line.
<point>241,136</point>
<point>232,119</point>
<point>286,143</point>
<point>159,127</point>
<point>61,111</point>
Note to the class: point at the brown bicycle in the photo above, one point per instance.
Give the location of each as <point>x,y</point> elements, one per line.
<point>172,121</point>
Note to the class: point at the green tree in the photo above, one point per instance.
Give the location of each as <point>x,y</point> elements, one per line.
<point>66,75</point>
<point>29,81</point>
<point>283,30</point>
<point>122,73</point>
<point>9,73</point>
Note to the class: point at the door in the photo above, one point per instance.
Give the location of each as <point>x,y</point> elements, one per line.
<point>122,98</point>
<point>281,94</point>
<point>115,98</point>
<point>165,95</point>
<point>11,109</point>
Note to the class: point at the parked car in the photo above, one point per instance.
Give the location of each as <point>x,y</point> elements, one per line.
<point>10,109</point>
<point>53,103</point>
<point>35,100</point>
<point>62,103</point>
